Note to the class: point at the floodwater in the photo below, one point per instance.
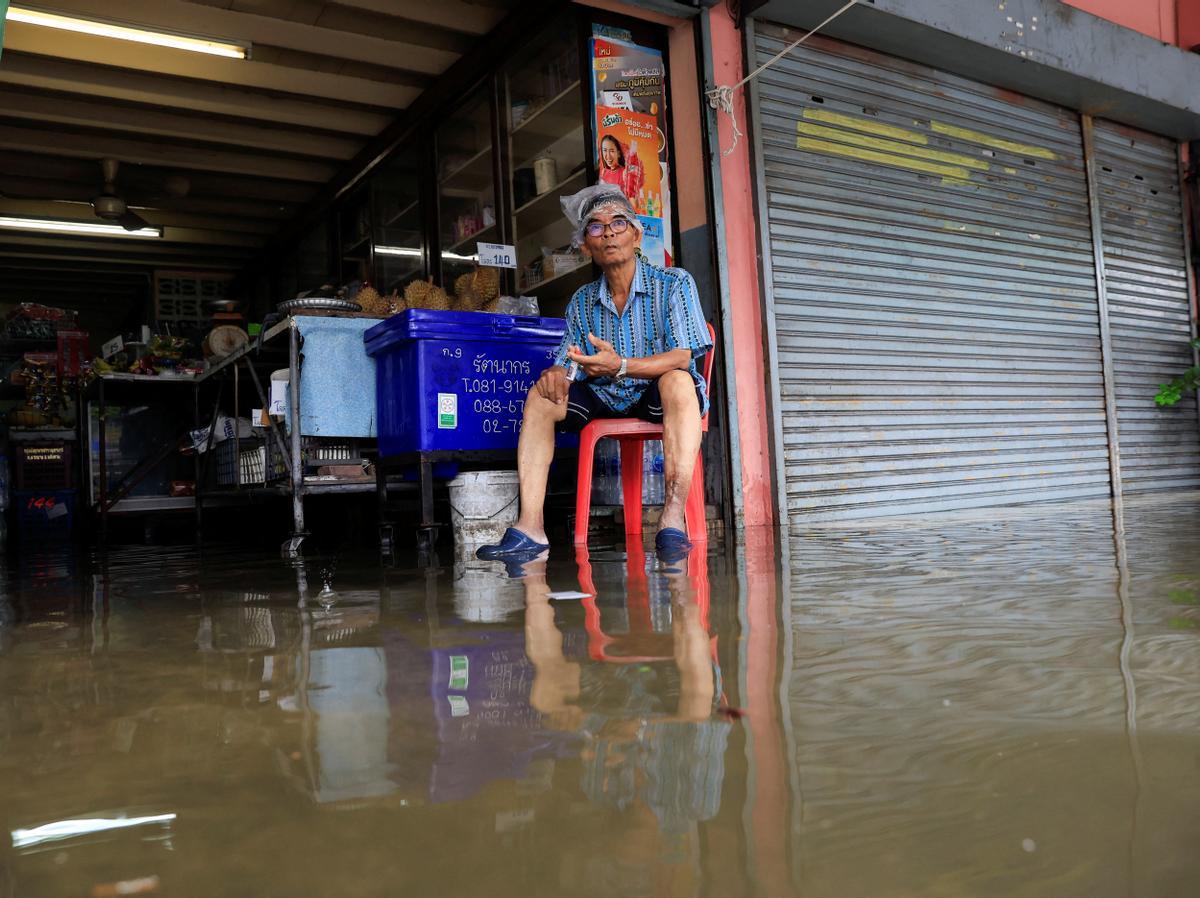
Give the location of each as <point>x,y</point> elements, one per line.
<point>1005,705</point>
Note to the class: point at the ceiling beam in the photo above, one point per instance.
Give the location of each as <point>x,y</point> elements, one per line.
<point>459,15</point>
<point>79,78</point>
<point>103,248</point>
<point>42,107</point>
<point>97,145</point>
<point>22,38</point>
<point>259,212</point>
<point>175,260</point>
<point>35,208</point>
<point>414,48</point>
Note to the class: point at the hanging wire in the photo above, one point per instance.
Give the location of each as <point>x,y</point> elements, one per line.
<point>721,96</point>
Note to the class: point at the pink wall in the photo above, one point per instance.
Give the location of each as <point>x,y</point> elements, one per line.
<point>1189,23</point>
<point>1153,17</point>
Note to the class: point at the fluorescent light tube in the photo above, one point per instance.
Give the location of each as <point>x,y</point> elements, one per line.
<point>66,829</point>
<point>58,226</point>
<point>231,49</point>
<point>397,251</point>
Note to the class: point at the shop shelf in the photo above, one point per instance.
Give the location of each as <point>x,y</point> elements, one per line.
<point>473,174</point>
<point>391,222</point>
<point>552,294</point>
<point>562,115</point>
<point>357,249</point>
<point>545,208</point>
<point>483,235</point>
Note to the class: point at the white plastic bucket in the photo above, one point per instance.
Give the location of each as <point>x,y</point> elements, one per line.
<point>483,504</point>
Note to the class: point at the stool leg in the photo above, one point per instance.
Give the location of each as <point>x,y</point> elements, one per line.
<point>631,486</point>
<point>694,509</point>
<point>583,485</point>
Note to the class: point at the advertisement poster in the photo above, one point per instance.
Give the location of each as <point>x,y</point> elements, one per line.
<point>629,95</point>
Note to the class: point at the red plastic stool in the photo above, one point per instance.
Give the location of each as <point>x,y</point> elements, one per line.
<point>631,434</point>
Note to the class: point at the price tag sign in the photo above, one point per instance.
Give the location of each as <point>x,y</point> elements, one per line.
<point>497,255</point>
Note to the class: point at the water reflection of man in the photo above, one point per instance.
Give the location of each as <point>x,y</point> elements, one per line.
<point>658,763</point>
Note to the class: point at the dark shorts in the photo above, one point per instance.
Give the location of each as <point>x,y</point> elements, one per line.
<point>584,406</point>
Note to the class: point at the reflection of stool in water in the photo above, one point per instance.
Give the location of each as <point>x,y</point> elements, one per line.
<point>644,642</point>
<point>631,434</point>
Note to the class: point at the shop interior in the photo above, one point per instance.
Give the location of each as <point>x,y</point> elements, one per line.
<point>194,246</point>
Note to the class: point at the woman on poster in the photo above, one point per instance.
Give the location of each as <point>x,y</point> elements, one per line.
<point>623,171</point>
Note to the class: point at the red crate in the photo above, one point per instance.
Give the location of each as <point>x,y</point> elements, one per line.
<point>43,466</point>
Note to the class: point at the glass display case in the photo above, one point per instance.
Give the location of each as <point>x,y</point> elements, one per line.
<point>466,186</point>
<point>399,223</point>
<point>312,266</point>
<point>544,106</point>
<point>354,236</point>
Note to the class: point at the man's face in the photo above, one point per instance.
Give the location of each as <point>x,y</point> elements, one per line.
<point>611,248</point>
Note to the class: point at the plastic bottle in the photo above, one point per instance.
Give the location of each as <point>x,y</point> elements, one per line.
<point>653,482</point>
<point>606,474</point>
<point>615,496</point>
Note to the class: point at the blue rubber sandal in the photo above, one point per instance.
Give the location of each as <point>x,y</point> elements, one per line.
<point>672,544</point>
<point>514,545</point>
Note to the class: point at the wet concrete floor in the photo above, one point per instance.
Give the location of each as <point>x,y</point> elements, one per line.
<point>1000,705</point>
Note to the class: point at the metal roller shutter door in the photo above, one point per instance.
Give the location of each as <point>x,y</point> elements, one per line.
<point>930,271</point>
<point>1149,306</point>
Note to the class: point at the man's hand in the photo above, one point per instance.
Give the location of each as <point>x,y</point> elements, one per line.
<point>605,363</point>
<point>553,384</point>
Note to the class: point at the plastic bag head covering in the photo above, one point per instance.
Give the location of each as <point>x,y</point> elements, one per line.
<point>599,198</point>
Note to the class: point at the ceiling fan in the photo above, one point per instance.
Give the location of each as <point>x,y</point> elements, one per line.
<point>111,207</point>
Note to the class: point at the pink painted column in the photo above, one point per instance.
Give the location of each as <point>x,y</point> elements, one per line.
<point>741,245</point>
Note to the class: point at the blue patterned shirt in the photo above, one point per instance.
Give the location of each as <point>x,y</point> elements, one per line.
<point>662,313</point>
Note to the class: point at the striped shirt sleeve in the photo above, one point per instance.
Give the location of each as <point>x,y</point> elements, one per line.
<point>686,327</point>
<point>574,334</point>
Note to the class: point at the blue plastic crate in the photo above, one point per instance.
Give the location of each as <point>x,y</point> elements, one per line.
<point>456,380</point>
<point>44,514</point>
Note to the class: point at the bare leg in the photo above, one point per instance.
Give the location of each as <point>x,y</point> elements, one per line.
<point>535,451</point>
<point>681,443</point>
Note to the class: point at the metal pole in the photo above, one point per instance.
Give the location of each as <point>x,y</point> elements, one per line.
<point>1185,205</point>
<point>199,487</point>
<point>724,298</point>
<point>103,485</point>
<point>767,286</point>
<point>297,464</point>
<point>1106,354</point>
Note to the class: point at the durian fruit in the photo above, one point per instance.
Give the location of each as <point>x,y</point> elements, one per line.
<point>492,305</point>
<point>464,299</point>
<point>395,303</point>
<point>486,283</point>
<point>424,295</point>
<point>476,288</point>
<point>372,303</point>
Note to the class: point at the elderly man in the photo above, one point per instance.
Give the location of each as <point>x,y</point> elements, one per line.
<point>630,349</point>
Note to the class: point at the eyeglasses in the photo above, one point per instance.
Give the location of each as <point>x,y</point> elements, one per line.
<point>596,228</point>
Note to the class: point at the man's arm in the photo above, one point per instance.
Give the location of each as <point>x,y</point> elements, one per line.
<point>606,363</point>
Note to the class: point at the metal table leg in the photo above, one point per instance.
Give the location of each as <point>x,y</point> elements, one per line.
<point>427,532</point>
<point>387,532</point>
<point>292,547</point>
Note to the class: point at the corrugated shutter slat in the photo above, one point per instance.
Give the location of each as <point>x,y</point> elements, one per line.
<point>934,288</point>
